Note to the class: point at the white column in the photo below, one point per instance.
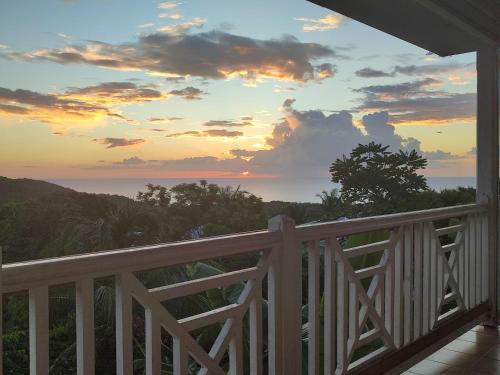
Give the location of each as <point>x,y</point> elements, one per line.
<point>487,157</point>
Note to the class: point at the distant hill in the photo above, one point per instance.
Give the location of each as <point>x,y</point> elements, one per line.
<point>22,189</point>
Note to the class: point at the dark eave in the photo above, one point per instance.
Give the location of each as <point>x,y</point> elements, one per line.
<point>444,27</point>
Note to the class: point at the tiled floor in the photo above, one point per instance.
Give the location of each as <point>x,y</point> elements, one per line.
<point>475,352</point>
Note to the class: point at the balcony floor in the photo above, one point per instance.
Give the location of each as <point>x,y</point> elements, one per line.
<point>475,352</point>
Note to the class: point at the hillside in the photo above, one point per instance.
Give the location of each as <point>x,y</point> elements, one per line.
<point>22,189</point>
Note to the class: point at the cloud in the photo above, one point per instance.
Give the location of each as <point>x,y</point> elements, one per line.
<point>184,26</point>
<point>51,108</point>
<point>218,133</point>
<point>128,93</point>
<point>84,104</point>
<point>417,70</point>
<point>229,124</point>
<point>163,119</point>
<point>145,25</point>
<point>172,16</point>
<point>329,22</point>
<point>304,144</point>
<point>169,5</point>
<point>188,93</point>
<point>119,142</point>
<point>372,73</point>
<point>208,55</point>
<point>413,103</point>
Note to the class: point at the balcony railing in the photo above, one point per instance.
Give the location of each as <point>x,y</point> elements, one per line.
<point>372,287</point>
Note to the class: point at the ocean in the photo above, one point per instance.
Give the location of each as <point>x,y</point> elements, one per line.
<point>291,190</point>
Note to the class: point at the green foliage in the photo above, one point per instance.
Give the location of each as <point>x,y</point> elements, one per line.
<point>374,179</point>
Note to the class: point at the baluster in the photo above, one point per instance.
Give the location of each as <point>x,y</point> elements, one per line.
<point>342,318</point>
<point>426,284</point>
<point>329,306</point>
<point>313,278</point>
<point>275,348</point>
<point>434,285</point>
<point>389,285</point>
<point>467,263</point>
<point>153,342</point>
<point>398,290</point>
<point>472,257</point>
<point>181,358</point>
<point>440,292</point>
<point>408,288</point>
<point>39,330</point>
<point>484,248</point>
<point>417,289</point>
<point>124,348</point>
<point>353,316</point>
<point>85,340</point>
<point>236,350</point>
<point>256,332</point>
<point>479,262</point>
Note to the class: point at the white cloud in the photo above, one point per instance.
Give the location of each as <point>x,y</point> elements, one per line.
<point>329,22</point>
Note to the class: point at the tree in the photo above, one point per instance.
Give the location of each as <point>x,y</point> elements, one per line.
<point>377,181</point>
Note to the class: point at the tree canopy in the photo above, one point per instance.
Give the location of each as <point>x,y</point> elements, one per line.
<point>376,180</point>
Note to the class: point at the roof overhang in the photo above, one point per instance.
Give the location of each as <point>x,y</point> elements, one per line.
<point>444,27</point>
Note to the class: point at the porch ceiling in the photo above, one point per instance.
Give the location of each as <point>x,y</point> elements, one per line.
<point>444,27</point>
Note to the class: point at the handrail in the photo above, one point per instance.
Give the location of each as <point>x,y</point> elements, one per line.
<point>366,224</point>
<point>60,270</point>
<point>23,275</point>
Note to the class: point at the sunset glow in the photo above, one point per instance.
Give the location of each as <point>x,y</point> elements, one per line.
<point>191,89</point>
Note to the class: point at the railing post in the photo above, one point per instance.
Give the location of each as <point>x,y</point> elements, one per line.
<point>290,258</point>
<point>487,159</point>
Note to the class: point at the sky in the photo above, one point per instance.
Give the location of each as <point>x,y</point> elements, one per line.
<point>219,88</point>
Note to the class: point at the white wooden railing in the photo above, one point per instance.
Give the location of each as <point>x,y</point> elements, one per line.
<point>415,271</point>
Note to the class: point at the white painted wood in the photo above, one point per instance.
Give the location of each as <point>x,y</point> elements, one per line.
<point>366,249</point>
<point>449,230</point>
<point>433,280</point>
<point>487,62</point>
<point>153,342</point>
<point>329,335</point>
<point>190,287</point>
<point>467,263</point>
<point>236,351</point>
<point>172,325</point>
<point>426,284</point>
<point>342,317</point>
<point>255,332</point>
<point>39,330</point>
<point>353,318</point>
<point>207,318</point>
<point>440,285</point>
<point>484,257</point>
<point>21,276</point>
<point>389,284</point>
<point>85,340</point>
<point>478,252</point>
<point>291,293</point>
<point>313,277</point>
<point>274,326</point>
<point>472,261</point>
<point>408,284</point>
<point>311,232</point>
<point>417,279</point>
<point>398,290</point>
<point>181,358</point>
<point>124,344</point>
